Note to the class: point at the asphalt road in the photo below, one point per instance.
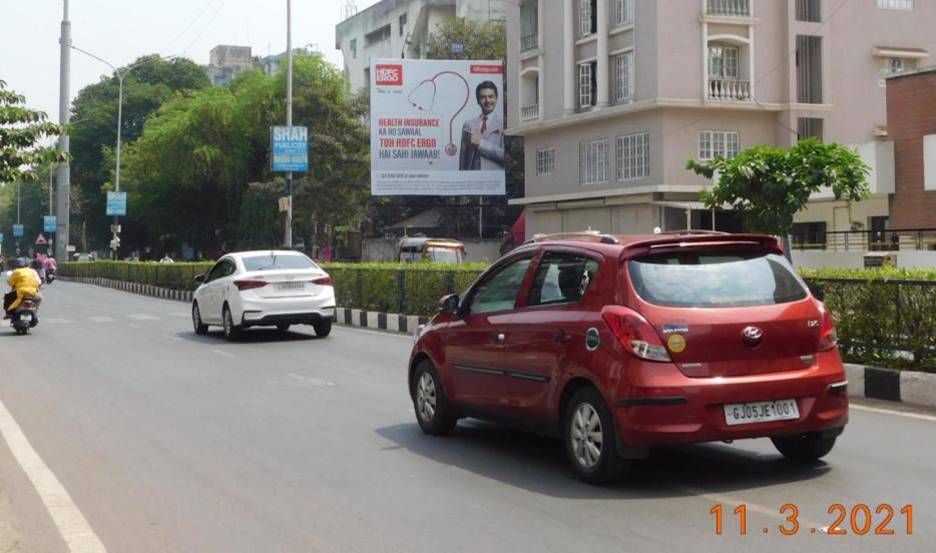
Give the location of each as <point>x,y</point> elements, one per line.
<point>165,441</point>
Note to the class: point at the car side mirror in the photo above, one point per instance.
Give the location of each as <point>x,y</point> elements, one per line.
<point>449,304</point>
<point>200,278</point>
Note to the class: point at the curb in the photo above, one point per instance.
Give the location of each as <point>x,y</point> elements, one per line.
<point>135,288</point>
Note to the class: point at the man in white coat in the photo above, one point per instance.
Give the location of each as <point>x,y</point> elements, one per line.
<point>482,142</point>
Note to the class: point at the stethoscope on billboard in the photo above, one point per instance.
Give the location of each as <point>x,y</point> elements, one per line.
<point>451,149</point>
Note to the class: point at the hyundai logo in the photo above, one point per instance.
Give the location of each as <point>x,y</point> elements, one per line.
<point>752,336</point>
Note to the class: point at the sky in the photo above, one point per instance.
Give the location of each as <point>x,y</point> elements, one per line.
<point>120,31</point>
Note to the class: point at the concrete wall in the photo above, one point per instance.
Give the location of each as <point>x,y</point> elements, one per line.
<point>855,260</point>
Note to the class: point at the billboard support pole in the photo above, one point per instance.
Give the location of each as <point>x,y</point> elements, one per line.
<point>288,238</point>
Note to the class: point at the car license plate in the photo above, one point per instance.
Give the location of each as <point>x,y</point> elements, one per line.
<point>26,317</point>
<point>761,411</point>
<point>290,286</point>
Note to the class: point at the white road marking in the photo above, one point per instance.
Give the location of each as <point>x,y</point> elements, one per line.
<point>293,379</point>
<point>131,325</point>
<point>180,315</point>
<point>173,337</point>
<point>224,354</point>
<point>143,317</point>
<point>72,525</point>
<point>51,321</point>
<point>408,337</point>
<point>920,416</point>
<point>101,320</point>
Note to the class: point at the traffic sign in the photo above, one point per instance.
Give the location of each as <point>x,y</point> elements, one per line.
<point>48,223</point>
<point>290,147</point>
<point>41,240</point>
<point>17,231</point>
<point>116,203</point>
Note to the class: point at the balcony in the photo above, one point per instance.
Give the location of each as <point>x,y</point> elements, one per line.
<point>728,8</point>
<point>729,90</point>
<point>529,42</point>
<point>529,113</point>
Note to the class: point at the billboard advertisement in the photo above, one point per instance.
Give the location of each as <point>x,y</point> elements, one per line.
<point>437,128</point>
<point>116,203</point>
<point>290,149</point>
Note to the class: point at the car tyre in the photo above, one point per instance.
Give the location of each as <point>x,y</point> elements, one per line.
<point>232,332</point>
<point>434,413</point>
<point>199,327</point>
<point>590,438</point>
<point>322,328</point>
<point>804,448</point>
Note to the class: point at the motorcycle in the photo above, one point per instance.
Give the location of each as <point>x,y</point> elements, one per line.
<point>26,315</point>
<point>49,276</point>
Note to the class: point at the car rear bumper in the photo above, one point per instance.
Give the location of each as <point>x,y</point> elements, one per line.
<point>273,319</point>
<point>671,408</point>
<point>287,310</point>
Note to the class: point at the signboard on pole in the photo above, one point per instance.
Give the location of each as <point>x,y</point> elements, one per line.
<point>290,147</point>
<point>437,128</point>
<point>457,48</point>
<point>17,231</point>
<point>117,203</point>
<point>48,223</point>
<point>41,240</point>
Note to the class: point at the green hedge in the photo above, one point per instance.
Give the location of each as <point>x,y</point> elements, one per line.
<point>885,317</point>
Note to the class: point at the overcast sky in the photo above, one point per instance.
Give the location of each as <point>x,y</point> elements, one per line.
<point>122,30</point>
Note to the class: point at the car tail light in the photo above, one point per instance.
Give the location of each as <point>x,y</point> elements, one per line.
<point>323,281</point>
<point>634,332</point>
<point>828,337</point>
<point>249,284</point>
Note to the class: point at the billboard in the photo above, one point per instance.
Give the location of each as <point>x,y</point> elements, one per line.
<point>290,149</point>
<point>437,128</point>
<point>48,223</point>
<point>116,203</point>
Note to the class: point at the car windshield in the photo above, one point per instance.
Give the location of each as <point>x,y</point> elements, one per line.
<point>443,255</point>
<point>272,262</point>
<point>715,279</point>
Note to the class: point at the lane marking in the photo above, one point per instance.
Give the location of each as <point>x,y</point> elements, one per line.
<point>893,412</point>
<point>72,525</point>
<point>55,321</point>
<point>143,317</point>
<point>407,337</point>
<point>224,354</point>
<point>102,320</point>
<point>131,325</point>
<point>293,379</point>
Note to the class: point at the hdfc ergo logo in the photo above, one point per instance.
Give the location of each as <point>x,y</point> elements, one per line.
<point>389,74</point>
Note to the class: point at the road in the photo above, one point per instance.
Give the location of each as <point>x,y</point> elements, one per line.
<point>165,441</point>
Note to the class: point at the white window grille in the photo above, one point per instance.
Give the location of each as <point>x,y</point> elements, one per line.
<point>622,12</point>
<point>623,68</point>
<point>895,4</point>
<point>586,85</point>
<point>593,161</point>
<point>585,17</point>
<point>714,144</point>
<point>633,156</point>
<point>546,161</point>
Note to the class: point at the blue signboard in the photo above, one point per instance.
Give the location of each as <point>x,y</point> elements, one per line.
<point>458,48</point>
<point>48,223</point>
<point>116,203</point>
<point>17,231</point>
<point>290,149</point>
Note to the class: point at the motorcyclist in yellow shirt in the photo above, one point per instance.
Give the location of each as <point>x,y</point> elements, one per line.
<point>24,282</point>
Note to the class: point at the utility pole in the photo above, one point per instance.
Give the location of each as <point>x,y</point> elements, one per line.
<point>288,240</point>
<point>64,170</point>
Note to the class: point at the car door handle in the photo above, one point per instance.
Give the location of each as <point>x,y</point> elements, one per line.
<point>562,336</point>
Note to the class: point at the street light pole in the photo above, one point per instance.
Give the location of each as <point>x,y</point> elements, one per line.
<point>288,239</point>
<point>64,169</point>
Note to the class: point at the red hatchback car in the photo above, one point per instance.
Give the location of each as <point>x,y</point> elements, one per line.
<point>620,343</point>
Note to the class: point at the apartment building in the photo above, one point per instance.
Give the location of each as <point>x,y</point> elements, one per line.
<point>614,96</point>
<point>225,62</point>
<point>401,29</point>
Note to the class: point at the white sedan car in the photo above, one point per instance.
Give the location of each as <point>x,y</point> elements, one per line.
<point>264,288</point>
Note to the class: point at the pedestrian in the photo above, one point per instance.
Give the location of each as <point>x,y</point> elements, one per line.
<point>166,259</point>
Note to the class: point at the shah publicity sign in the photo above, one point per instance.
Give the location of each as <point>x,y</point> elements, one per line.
<point>437,128</point>
<point>290,149</point>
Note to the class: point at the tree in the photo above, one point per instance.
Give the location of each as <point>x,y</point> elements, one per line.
<point>482,40</point>
<point>22,131</point>
<point>768,186</point>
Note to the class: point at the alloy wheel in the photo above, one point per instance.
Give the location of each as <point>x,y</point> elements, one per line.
<point>587,436</point>
<point>426,397</point>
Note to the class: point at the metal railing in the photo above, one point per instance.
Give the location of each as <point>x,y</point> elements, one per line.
<point>528,113</point>
<point>867,240</point>
<point>730,8</point>
<point>529,42</point>
<point>729,89</point>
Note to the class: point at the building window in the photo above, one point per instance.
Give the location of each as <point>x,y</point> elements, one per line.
<point>354,48</point>
<point>809,235</point>
<point>809,10</point>
<point>546,161</point>
<point>622,12</point>
<point>593,161</point>
<point>809,69</point>
<point>623,68</point>
<point>587,85</point>
<point>809,127</point>
<point>723,62</point>
<point>402,23</point>
<point>714,144</point>
<point>895,4</point>
<point>378,35</point>
<point>528,26</point>
<point>633,156</point>
<point>588,17</point>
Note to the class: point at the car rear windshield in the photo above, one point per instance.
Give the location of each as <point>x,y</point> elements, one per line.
<point>715,279</point>
<point>271,262</point>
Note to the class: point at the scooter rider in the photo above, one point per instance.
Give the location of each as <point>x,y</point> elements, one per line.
<point>24,282</point>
